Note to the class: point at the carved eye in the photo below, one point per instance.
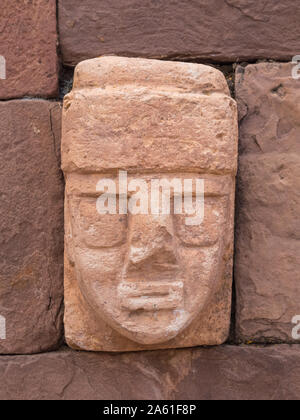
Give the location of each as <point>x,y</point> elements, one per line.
<point>98,230</point>
<point>207,233</point>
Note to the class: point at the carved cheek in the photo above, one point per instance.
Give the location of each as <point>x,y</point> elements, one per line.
<point>199,266</point>
<point>99,243</point>
<point>98,272</point>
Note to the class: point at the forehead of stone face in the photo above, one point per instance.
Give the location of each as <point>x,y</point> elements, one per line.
<point>148,115</point>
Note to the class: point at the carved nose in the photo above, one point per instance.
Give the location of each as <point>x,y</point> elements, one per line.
<point>151,239</point>
<point>149,280</point>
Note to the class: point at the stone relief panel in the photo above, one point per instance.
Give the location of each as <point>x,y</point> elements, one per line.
<point>149,152</point>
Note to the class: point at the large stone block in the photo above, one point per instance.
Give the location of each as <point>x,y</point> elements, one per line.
<point>139,277</point>
<point>223,373</point>
<point>31,226</point>
<point>267,262</point>
<point>28,46</point>
<point>216,30</point>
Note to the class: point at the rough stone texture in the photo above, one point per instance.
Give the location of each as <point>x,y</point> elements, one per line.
<point>28,44</point>
<point>268,232</point>
<point>223,373</point>
<point>31,226</point>
<point>141,281</point>
<point>216,30</point>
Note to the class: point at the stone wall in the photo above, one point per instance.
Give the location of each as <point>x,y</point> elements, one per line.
<point>253,43</point>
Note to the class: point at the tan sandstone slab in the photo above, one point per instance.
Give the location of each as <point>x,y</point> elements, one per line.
<point>28,45</point>
<point>215,30</point>
<point>267,262</point>
<point>31,227</point>
<point>222,373</point>
<point>141,280</point>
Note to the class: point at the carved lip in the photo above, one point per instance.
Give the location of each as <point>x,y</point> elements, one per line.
<point>150,296</point>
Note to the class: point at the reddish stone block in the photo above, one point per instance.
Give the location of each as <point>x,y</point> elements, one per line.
<point>215,30</point>
<point>267,261</point>
<point>28,46</point>
<point>31,226</point>
<point>223,373</point>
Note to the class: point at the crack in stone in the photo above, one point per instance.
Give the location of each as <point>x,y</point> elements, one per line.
<point>54,138</point>
<point>244,13</point>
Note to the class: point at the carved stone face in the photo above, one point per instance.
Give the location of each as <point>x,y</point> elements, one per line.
<point>147,281</point>
<point>147,275</point>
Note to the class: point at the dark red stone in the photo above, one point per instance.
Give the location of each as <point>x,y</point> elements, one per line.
<point>220,373</point>
<point>31,226</point>
<point>267,263</point>
<point>28,44</point>
<point>215,30</point>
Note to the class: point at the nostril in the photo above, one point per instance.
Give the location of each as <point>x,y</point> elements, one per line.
<point>159,259</point>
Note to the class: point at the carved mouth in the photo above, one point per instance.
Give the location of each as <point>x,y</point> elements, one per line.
<point>136,296</point>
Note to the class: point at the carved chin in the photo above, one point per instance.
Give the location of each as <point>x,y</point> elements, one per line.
<point>145,316</point>
<point>153,328</point>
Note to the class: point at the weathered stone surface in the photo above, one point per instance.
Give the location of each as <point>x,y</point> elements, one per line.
<point>267,263</point>
<point>31,226</point>
<point>216,30</point>
<point>142,280</point>
<point>225,373</point>
<point>28,45</point>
